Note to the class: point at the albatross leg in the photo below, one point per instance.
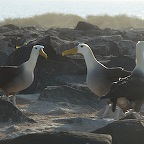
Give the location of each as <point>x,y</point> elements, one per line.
<point>116,117</point>
<point>106,110</point>
<point>14,99</point>
<point>130,111</point>
<point>6,98</point>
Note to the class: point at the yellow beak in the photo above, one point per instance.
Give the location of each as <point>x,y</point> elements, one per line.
<point>70,51</point>
<point>42,53</point>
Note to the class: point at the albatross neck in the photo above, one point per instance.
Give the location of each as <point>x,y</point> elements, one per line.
<point>31,63</point>
<point>91,61</point>
<point>140,59</point>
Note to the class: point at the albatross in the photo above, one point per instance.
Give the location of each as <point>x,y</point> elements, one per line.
<point>17,78</point>
<point>99,77</point>
<point>128,93</point>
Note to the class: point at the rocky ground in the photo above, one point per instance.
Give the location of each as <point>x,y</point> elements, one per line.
<point>58,105</point>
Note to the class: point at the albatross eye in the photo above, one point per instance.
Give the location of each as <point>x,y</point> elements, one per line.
<point>35,47</point>
<point>81,46</point>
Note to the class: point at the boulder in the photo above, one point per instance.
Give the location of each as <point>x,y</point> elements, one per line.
<point>5,47</point>
<point>70,34</point>
<point>86,26</point>
<point>104,47</point>
<point>124,131</point>
<point>78,35</point>
<point>11,26</point>
<point>10,113</point>
<point>60,138</point>
<point>121,61</point>
<point>107,31</point>
<point>8,27</point>
<point>122,33</point>
<point>127,47</point>
<point>77,94</point>
<point>3,58</point>
<point>133,115</point>
<point>134,35</point>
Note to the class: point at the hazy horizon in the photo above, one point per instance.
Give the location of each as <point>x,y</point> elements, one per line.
<point>28,8</point>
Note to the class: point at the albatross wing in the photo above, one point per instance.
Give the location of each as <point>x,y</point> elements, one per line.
<point>115,73</point>
<point>127,93</point>
<point>7,74</point>
<point>131,87</point>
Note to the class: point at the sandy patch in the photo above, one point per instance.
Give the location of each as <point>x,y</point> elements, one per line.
<point>56,116</point>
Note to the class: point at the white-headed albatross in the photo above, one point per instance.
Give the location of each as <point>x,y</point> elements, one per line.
<point>99,77</point>
<point>16,78</point>
<point>128,93</point>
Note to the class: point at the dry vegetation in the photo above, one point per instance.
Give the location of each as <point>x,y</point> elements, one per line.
<point>69,20</point>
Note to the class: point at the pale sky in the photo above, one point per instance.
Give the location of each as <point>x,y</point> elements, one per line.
<point>107,1</point>
<point>27,8</point>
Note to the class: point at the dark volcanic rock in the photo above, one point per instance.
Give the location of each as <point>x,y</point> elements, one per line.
<point>77,94</point>
<point>134,35</point>
<point>122,33</point>
<point>104,47</point>
<point>4,46</point>
<point>46,70</point>
<point>3,58</point>
<point>121,61</point>
<point>60,138</point>
<point>22,54</point>
<point>132,116</point>
<point>70,34</point>
<point>104,43</point>
<point>107,31</point>
<point>79,35</point>
<point>8,27</point>
<point>86,26</point>
<point>127,47</point>
<point>11,26</point>
<point>9,113</point>
<point>124,131</point>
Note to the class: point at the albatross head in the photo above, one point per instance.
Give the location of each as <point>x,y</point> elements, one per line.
<point>38,49</point>
<point>81,48</point>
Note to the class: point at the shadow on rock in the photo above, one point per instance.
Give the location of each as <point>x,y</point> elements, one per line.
<point>61,138</point>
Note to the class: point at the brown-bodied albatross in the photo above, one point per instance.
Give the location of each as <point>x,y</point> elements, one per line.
<point>128,93</point>
<point>99,77</point>
<point>16,78</point>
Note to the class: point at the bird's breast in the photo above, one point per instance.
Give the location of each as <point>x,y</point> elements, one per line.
<point>98,84</point>
<point>22,82</point>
